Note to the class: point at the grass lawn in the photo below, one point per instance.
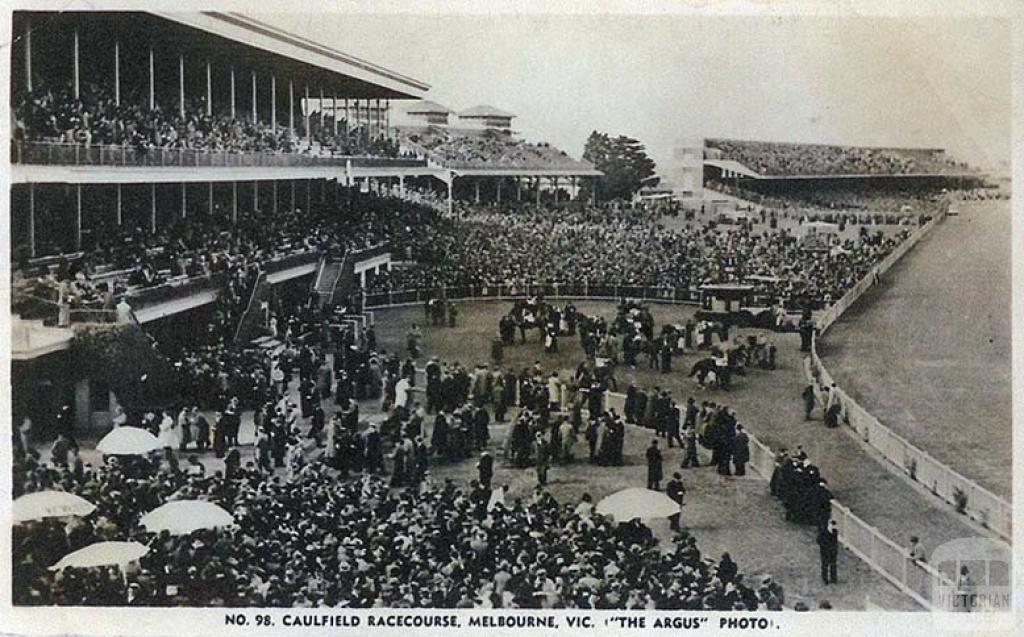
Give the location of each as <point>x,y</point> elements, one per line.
<point>928,350</point>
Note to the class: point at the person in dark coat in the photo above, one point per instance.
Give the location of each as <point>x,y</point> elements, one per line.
<point>592,433</point>
<point>808,398</point>
<point>671,417</point>
<point>828,545</point>
<point>316,426</point>
<point>485,469</point>
<point>629,408</point>
<point>727,569</point>
<point>675,490</point>
<point>690,458</point>
<point>740,451</point>
<point>654,461</point>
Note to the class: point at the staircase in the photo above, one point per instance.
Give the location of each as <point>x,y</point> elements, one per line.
<point>336,280</point>
<point>252,321</point>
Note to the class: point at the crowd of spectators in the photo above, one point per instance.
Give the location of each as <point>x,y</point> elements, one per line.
<point>53,113</point>
<point>487,149</point>
<point>485,247</point>
<point>312,540</point>
<point>786,159</point>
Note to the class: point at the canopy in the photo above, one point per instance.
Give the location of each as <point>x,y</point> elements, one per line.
<point>128,441</point>
<point>637,503</point>
<point>182,517</point>
<point>50,504</point>
<point>102,554</point>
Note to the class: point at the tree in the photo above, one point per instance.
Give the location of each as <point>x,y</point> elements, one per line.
<point>624,162</point>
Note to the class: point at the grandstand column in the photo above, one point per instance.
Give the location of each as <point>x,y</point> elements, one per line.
<point>320,105</point>
<point>31,219</point>
<point>348,122</point>
<point>572,186</point>
<point>78,217</point>
<point>181,85</point>
<point>554,186</point>
<point>275,196</point>
<point>401,185</point>
<point>28,58</point>
<point>118,204</point>
<point>184,199</point>
<point>273,104</point>
<point>307,113</point>
<point>476,184</point>
<point>291,106</point>
<point>152,86</point>
<point>498,193</point>
<point>519,189</point>
<point>232,92</point>
<point>117,72</point>
<point>255,115</point>
<point>209,90</point>
<point>538,191</point>
<point>451,182</point>
<point>152,208</point>
<point>334,112</point>
<point>209,198</point>
<point>76,64</point>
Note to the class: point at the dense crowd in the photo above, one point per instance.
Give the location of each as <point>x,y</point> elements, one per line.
<point>95,118</point>
<point>488,149</point>
<point>125,259</point>
<point>777,158</point>
<point>487,248</point>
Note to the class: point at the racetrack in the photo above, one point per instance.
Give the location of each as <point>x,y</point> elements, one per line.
<point>928,350</point>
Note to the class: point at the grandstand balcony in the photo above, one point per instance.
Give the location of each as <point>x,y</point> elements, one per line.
<point>114,156</point>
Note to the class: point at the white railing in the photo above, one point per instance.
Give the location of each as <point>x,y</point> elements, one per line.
<point>965,495</point>
<point>891,561</point>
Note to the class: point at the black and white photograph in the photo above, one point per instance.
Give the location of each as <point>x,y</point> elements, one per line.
<point>508,319</point>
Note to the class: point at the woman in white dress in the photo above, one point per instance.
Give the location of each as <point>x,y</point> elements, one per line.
<point>169,434</point>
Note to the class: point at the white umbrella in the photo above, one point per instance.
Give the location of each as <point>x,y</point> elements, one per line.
<point>182,517</point>
<point>50,504</point>
<point>637,503</point>
<point>102,554</point>
<point>128,441</point>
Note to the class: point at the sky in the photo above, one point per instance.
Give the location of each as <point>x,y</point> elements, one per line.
<point>935,82</point>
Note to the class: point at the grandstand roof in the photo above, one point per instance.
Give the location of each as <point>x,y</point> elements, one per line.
<point>372,80</point>
<point>731,165</point>
<point>484,110</point>
<point>426,106</point>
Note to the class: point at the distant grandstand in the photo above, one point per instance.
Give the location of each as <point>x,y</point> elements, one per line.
<point>758,160</point>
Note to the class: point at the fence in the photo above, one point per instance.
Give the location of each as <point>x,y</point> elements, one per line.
<point>595,291</point>
<point>63,153</point>
<point>966,496</point>
<point>914,578</point>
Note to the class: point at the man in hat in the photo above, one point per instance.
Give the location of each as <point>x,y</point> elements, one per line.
<point>654,460</point>
<point>828,545</point>
<point>675,490</point>
<point>485,469</point>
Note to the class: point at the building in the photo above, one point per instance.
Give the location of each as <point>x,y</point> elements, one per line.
<point>484,117</point>
<point>425,113</point>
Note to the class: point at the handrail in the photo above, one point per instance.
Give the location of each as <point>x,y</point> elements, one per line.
<point>113,155</point>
